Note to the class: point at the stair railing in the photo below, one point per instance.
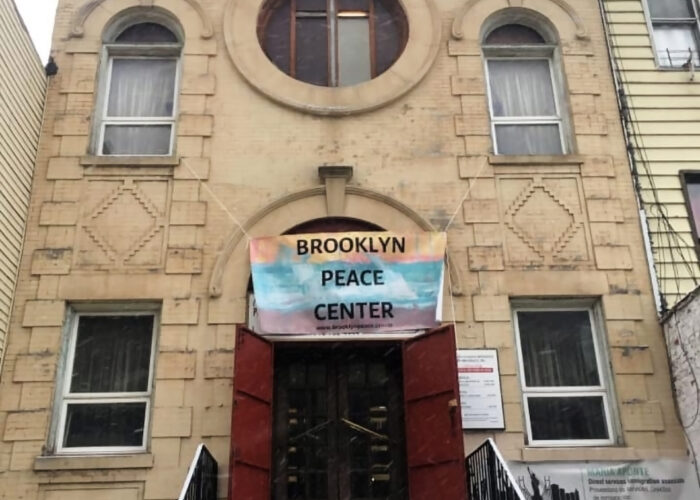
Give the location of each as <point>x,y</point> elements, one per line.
<point>488,475</point>
<point>201,480</point>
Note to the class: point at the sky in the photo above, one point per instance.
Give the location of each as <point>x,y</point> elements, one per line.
<point>38,16</point>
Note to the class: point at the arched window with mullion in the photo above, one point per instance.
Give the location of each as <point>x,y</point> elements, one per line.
<point>139,92</point>
<point>524,101</point>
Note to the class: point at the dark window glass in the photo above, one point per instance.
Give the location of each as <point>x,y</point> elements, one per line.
<point>276,40</point>
<point>360,5</point>
<point>571,418</point>
<point>557,349</point>
<point>106,424</point>
<point>312,50</point>
<point>671,9</point>
<point>367,38</point>
<point>146,33</point>
<point>514,34</point>
<point>390,34</point>
<point>311,5</point>
<point>112,354</point>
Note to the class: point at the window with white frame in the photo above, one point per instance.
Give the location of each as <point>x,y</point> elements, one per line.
<point>106,391</point>
<point>563,376</point>
<point>675,30</point>
<point>139,91</point>
<point>523,93</point>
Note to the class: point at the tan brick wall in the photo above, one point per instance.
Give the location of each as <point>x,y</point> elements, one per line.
<point>144,230</point>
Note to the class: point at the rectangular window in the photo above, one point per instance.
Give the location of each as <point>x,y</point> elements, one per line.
<point>106,394</point>
<point>691,186</point>
<point>525,113</point>
<point>565,397</point>
<point>675,27</point>
<point>139,109</point>
<point>354,65</point>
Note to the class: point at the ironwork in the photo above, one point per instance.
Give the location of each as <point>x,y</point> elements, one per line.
<point>488,475</point>
<point>201,481</point>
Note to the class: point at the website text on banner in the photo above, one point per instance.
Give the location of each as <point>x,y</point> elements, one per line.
<point>327,283</point>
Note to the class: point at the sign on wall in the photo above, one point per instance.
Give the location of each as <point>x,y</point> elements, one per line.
<point>480,389</point>
<point>329,283</point>
<point>642,480</point>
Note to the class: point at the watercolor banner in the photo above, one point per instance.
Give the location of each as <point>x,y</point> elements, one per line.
<point>358,282</point>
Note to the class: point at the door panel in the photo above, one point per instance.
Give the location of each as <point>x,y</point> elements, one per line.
<point>431,431</point>
<point>435,450</point>
<point>251,420</point>
<point>430,364</point>
<point>438,482</point>
<point>339,431</point>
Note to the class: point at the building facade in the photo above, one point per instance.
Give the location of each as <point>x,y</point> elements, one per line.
<point>179,130</point>
<point>23,89</point>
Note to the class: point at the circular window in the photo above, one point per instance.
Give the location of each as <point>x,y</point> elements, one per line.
<point>333,43</point>
<point>332,57</point>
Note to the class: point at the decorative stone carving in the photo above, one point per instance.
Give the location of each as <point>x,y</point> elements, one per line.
<point>124,224</point>
<point>544,221</point>
<point>77,24</point>
<point>581,30</point>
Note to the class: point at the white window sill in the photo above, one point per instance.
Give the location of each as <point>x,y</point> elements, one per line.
<point>84,462</point>
<point>579,453</point>
<point>535,160</point>
<point>130,161</point>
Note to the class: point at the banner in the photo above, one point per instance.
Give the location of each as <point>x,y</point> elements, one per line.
<point>328,283</point>
<point>658,479</point>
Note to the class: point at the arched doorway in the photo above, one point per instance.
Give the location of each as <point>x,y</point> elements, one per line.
<point>357,418</point>
<point>338,413</point>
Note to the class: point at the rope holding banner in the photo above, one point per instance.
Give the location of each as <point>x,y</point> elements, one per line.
<point>449,286</point>
<point>218,201</point>
<point>466,194</point>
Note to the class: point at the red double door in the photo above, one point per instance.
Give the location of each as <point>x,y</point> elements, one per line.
<point>433,433</point>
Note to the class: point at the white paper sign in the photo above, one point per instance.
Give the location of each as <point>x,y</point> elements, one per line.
<point>480,389</point>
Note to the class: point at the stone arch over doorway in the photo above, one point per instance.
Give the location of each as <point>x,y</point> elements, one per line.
<point>229,280</point>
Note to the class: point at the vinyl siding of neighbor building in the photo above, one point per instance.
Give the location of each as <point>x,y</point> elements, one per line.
<point>22,89</point>
<point>664,128</point>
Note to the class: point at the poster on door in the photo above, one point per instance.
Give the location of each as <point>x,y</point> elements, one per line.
<point>641,480</point>
<point>356,282</point>
<point>480,389</point>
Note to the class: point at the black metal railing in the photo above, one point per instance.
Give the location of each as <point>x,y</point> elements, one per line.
<point>200,483</point>
<point>488,475</point>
